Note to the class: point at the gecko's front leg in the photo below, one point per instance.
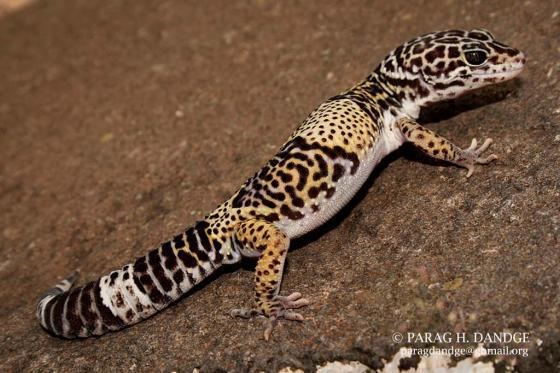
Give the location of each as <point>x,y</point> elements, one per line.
<point>440,148</point>
<point>263,239</point>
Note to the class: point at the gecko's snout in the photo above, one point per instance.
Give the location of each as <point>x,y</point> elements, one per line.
<point>520,60</point>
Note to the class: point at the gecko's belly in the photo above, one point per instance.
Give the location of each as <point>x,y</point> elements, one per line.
<point>346,187</point>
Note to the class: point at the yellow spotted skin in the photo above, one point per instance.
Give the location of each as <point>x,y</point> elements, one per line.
<point>313,175</point>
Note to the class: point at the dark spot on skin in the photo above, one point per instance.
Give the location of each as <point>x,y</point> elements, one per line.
<point>303,174</point>
<point>120,300</point>
<point>338,172</point>
<point>453,52</point>
<point>417,49</point>
<point>188,260</point>
<point>140,265</point>
<point>323,168</point>
<point>289,213</point>
<point>286,178</point>
<point>114,276</point>
<point>417,61</point>
<point>179,241</point>
<point>313,192</point>
<point>154,260</point>
<point>169,256</point>
<point>200,228</point>
<point>178,277</point>
<point>129,315</point>
<point>298,202</point>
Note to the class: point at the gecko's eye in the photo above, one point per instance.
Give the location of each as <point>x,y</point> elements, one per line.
<point>476,58</point>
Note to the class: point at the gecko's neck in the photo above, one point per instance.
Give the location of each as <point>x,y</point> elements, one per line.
<point>406,94</point>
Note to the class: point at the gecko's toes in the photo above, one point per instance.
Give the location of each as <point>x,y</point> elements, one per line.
<point>471,156</point>
<point>280,307</point>
<point>291,315</point>
<point>293,300</point>
<point>490,158</point>
<point>269,328</point>
<point>273,320</point>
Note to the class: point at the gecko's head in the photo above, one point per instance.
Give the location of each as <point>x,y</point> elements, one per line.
<point>446,64</point>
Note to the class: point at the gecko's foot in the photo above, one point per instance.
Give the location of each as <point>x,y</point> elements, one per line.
<point>280,307</point>
<point>471,156</point>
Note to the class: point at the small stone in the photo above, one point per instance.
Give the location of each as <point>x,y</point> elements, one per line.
<point>10,233</point>
<point>453,284</point>
<point>228,36</point>
<point>452,317</point>
<point>159,68</point>
<point>106,137</point>
<point>441,304</point>
<point>434,285</point>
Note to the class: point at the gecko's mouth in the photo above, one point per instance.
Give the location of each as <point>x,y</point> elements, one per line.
<point>509,72</point>
<point>497,76</point>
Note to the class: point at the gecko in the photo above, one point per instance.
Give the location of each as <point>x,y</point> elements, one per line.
<point>314,174</point>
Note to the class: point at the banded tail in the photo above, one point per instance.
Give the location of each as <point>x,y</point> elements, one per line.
<point>135,292</point>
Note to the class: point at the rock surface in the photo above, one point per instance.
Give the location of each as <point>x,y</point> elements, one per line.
<point>122,122</point>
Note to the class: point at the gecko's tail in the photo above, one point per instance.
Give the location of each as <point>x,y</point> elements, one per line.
<point>62,287</point>
<point>133,293</point>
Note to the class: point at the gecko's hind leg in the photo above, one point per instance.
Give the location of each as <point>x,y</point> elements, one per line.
<point>264,239</point>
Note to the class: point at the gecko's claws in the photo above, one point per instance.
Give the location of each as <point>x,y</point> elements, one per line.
<point>471,156</point>
<point>280,308</point>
